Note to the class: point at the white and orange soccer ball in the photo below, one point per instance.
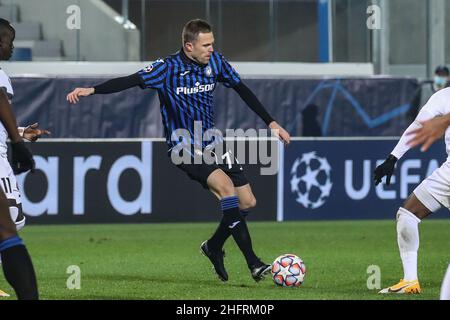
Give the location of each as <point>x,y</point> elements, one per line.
<point>288,270</point>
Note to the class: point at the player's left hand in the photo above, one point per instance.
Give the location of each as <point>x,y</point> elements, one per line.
<point>33,132</point>
<point>280,133</point>
<point>430,131</point>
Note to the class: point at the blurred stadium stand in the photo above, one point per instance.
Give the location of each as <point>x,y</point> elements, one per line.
<point>10,12</point>
<point>29,43</point>
<point>353,106</point>
<point>22,54</point>
<point>287,31</point>
<point>245,69</point>
<point>41,32</point>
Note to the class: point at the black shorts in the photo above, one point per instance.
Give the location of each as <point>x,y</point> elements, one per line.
<point>201,172</point>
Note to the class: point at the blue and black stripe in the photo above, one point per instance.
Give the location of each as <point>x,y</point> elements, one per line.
<point>228,203</point>
<point>185,90</point>
<point>10,242</point>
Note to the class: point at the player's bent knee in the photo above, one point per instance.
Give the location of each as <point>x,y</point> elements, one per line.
<point>226,191</point>
<point>421,205</point>
<point>224,188</point>
<point>248,204</point>
<point>220,184</point>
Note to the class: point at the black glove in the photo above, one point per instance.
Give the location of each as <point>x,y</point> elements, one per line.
<point>385,169</point>
<point>22,159</point>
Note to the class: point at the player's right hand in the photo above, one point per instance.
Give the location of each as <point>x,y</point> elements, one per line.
<point>75,95</point>
<point>22,159</point>
<point>430,131</point>
<point>385,169</point>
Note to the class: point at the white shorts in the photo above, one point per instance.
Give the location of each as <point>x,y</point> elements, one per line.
<point>434,191</point>
<point>8,180</point>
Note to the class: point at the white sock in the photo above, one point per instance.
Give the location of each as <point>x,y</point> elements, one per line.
<point>408,242</point>
<point>445,288</point>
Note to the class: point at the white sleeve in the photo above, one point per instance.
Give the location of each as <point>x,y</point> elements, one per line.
<point>437,105</point>
<point>5,84</point>
<point>402,146</point>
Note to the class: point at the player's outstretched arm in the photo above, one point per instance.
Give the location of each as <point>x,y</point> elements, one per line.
<point>430,131</point>
<point>110,86</point>
<point>22,159</point>
<point>386,169</point>
<point>75,95</point>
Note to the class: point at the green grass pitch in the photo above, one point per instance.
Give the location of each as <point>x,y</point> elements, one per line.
<point>162,261</point>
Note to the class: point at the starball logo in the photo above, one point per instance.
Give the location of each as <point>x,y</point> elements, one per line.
<point>311,180</point>
<point>197,89</point>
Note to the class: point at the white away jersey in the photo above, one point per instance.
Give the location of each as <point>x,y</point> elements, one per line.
<point>437,105</point>
<point>5,85</point>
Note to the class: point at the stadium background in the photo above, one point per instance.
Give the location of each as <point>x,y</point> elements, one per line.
<point>310,54</point>
<point>105,161</point>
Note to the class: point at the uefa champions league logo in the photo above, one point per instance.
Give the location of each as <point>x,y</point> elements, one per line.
<point>311,180</point>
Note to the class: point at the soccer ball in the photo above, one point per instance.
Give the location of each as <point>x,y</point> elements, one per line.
<point>288,270</point>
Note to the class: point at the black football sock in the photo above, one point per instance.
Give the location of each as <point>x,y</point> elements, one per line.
<point>222,233</point>
<point>18,268</point>
<point>244,213</point>
<point>219,237</point>
<point>233,222</point>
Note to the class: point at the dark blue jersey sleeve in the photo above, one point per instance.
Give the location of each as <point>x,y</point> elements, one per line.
<point>228,76</point>
<point>154,76</point>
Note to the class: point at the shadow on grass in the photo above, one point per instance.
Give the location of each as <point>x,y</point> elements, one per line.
<point>211,282</point>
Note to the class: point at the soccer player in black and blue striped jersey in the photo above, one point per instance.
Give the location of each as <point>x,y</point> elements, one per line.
<point>185,82</point>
